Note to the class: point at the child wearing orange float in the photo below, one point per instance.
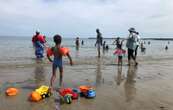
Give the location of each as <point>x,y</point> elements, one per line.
<point>58,52</point>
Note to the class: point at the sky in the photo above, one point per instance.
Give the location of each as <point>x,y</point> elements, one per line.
<point>72,18</point>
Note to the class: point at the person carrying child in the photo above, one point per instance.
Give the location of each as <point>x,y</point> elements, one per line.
<point>119,51</point>
<point>58,52</point>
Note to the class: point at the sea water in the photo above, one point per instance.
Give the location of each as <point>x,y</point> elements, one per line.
<point>20,49</point>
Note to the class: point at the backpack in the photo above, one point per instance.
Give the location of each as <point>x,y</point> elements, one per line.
<point>130,44</point>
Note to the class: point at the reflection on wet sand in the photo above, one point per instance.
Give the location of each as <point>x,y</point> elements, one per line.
<point>129,85</point>
<point>39,74</point>
<point>77,53</point>
<point>98,72</point>
<point>77,48</point>
<point>119,78</point>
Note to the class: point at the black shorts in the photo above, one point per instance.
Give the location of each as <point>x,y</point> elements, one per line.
<point>120,57</point>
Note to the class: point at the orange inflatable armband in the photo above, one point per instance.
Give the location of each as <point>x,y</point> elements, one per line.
<point>11,91</point>
<point>34,96</point>
<point>64,51</point>
<point>49,52</point>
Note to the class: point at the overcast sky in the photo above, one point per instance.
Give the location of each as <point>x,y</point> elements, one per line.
<point>71,18</point>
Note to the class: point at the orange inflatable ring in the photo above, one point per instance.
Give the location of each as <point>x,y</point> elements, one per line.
<point>64,51</point>
<point>35,97</point>
<point>11,91</point>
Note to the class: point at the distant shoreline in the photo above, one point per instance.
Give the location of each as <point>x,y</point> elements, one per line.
<point>141,38</point>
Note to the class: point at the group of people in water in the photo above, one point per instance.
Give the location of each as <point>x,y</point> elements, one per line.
<point>132,43</point>
<point>77,43</point>
<point>39,43</point>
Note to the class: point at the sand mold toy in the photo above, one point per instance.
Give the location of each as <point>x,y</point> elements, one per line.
<point>11,91</point>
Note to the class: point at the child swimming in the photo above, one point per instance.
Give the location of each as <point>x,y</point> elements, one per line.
<point>57,62</point>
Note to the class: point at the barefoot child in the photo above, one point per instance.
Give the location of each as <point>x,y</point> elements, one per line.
<point>58,53</point>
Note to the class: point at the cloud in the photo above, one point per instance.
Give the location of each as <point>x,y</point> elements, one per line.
<point>79,17</point>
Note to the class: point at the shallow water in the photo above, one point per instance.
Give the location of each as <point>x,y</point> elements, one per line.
<point>19,50</point>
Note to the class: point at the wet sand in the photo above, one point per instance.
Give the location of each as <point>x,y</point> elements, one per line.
<point>146,87</point>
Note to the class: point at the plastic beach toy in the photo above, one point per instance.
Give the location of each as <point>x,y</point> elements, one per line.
<point>84,88</point>
<point>87,91</point>
<point>68,98</point>
<point>35,96</point>
<point>11,91</point>
<point>91,93</point>
<point>40,93</point>
<point>69,91</point>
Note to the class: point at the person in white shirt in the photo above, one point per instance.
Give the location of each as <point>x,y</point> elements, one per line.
<point>137,40</point>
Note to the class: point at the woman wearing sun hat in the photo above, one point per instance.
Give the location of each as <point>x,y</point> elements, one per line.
<point>131,45</point>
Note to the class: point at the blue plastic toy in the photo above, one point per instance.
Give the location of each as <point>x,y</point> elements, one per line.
<point>91,93</point>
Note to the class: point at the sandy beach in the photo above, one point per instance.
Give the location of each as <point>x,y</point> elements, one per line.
<point>37,36</point>
<point>146,87</point>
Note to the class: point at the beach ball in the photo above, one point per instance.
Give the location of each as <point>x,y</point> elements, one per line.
<point>11,91</point>
<point>35,96</point>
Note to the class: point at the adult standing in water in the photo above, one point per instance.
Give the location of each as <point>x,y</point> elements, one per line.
<point>131,45</point>
<point>99,40</point>
<point>137,40</point>
<point>38,41</point>
<point>82,43</point>
<point>77,43</point>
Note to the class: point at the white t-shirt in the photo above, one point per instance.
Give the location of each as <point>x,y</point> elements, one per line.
<point>137,39</point>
